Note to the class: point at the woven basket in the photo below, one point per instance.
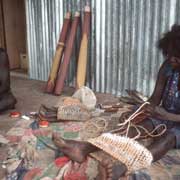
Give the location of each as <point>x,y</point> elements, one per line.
<point>128,151</point>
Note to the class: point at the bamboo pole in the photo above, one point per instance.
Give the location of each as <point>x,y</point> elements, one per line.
<point>67,56</point>
<point>58,54</point>
<point>82,60</point>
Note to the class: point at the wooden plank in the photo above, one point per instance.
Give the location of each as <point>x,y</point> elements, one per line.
<point>15,30</point>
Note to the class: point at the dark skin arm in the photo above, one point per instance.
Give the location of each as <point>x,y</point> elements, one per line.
<point>156,96</point>
<point>153,109</point>
<point>161,113</point>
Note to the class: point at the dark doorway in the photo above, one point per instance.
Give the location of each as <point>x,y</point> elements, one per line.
<point>13,32</point>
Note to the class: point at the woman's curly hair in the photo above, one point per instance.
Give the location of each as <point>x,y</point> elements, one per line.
<point>169,44</point>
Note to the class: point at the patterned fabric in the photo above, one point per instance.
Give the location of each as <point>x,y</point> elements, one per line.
<point>171,97</point>
<point>48,167</point>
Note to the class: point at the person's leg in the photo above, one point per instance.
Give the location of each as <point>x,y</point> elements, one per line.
<point>75,150</point>
<point>105,171</point>
<point>78,151</point>
<point>162,145</point>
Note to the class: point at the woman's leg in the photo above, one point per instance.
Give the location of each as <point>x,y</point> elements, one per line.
<point>77,150</point>
<point>162,145</point>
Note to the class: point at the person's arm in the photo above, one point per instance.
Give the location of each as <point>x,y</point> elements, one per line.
<point>156,96</point>
<point>165,115</point>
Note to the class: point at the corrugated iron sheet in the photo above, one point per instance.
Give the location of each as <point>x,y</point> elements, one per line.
<point>122,48</point>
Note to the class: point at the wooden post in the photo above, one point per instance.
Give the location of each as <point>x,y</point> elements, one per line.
<point>67,56</point>
<point>82,60</point>
<point>58,55</point>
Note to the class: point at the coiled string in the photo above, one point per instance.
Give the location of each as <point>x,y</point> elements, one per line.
<point>125,126</point>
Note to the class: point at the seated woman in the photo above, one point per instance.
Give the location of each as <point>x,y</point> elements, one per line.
<point>7,100</point>
<point>164,108</point>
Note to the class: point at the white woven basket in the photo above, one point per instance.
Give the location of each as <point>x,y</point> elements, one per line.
<point>128,151</point>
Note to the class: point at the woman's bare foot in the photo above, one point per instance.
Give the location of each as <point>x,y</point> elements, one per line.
<point>108,166</point>
<point>75,150</point>
<point>113,171</point>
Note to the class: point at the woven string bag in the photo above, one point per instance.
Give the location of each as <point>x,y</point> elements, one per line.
<point>134,155</point>
<point>72,109</point>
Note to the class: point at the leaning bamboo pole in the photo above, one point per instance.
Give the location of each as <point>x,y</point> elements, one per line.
<point>58,54</point>
<point>82,60</point>
<point>67,56</point>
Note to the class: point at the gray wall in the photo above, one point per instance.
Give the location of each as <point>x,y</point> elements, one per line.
<point>122,51</point>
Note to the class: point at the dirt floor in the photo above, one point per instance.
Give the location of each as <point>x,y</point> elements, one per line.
<point>30,96</point>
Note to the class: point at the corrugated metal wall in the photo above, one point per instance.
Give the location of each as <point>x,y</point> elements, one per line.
<point>122,51</point>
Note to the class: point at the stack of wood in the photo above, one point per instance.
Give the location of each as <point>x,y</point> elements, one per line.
<point>64,50</point>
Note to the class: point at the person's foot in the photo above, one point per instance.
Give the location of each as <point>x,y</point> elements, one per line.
<point>75,150</point>
<point>113,171</point>
<point>108,166</point>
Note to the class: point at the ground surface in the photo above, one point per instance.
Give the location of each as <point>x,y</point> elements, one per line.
<point>30,95</point>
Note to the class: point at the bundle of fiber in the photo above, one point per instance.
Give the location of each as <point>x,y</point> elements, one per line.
<point>86,96</point>
<point>93,128</point>
<point>134,155</point>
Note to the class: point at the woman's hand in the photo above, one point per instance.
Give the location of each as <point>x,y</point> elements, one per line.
<point>155,112</point>
<point>148,110</point>
<point>125,115</point>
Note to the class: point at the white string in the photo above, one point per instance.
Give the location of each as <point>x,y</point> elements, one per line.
<point>129,124</point>
<point>133,115</point>
<point>151,134</point>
